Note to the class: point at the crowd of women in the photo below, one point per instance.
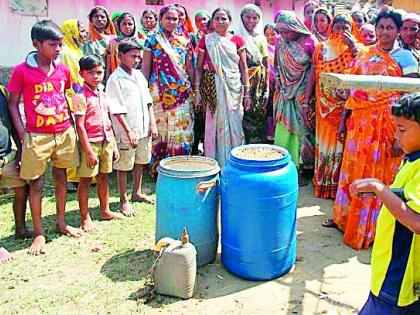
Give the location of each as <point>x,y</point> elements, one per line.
<point>257,84</point>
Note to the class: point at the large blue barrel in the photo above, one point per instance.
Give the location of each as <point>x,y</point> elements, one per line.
<point>187,195</point>
<point>258,215</point>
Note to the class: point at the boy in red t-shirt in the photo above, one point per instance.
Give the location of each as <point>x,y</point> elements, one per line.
<point>48,133</point>
<point>92,109</point>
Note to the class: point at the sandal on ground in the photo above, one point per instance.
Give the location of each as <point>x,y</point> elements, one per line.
<point>329,224</point>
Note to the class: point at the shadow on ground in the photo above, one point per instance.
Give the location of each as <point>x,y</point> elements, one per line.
<point>48,223</point>
<point>318,250</point>
<point>129,266</point>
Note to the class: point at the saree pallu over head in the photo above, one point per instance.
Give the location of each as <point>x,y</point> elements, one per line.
<point>72,53</point>
<point>316,5</point>
<point>144,32</point>
<point>332,56</point>
<point>187,27</point>
<point>415,49</point>
<point>335,46</point>
<point>199,33</point>
<point>291,21</point>
<point>170,52</point>
<point>111,52</point>
<point>71,37</point>
<point>225,59</point>
<point>373,61</point>
<point>321,37</point>
<point>94,35</point>
<point>254,51</point>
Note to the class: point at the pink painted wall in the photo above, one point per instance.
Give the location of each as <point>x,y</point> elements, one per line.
<point>15,31</point>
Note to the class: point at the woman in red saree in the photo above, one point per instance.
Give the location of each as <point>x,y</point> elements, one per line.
<point>371,150</point>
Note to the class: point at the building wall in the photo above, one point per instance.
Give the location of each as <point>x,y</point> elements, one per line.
<point>408,5</point>
<point>15,34</point>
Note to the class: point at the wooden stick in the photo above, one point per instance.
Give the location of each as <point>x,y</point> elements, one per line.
<point>371,82</point>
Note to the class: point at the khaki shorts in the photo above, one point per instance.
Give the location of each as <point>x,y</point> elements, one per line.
<point>129,156</point>
<point>104,152</point>
<point>9,175</point>
<point>61,148</point>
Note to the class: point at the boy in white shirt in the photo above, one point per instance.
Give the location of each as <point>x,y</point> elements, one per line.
<point>133,122</point>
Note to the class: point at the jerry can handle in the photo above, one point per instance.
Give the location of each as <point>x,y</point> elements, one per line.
<point>206,186</point>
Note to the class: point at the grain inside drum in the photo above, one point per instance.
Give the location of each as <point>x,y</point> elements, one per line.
<point>258,154</point>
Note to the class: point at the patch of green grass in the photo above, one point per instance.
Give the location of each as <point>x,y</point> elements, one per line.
<point>72,277</point>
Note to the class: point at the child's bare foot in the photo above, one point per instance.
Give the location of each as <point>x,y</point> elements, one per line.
<point>38,245</point>
<point>25,233</point>
<point>109,215</point>
<point>142,198</point>
<point>126,209</point>
<point>5,256</point>
<point>69,230</point>
<point>87,225</point>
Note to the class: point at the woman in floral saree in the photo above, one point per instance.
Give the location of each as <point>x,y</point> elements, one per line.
<point>167,64</point>
<point>371,150</point>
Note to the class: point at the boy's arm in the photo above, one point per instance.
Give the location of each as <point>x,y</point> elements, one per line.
<point>118,110</point>
<point>13,132</point>
<point>123,122</point>
<point>153,127</point>
<point>92,159</point>
<point>15,115</point>
<point>116,153</point>
<point>399,209</point>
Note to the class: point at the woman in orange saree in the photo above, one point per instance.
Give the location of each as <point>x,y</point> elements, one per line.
<point>333,55</point>
<point>370,147</point>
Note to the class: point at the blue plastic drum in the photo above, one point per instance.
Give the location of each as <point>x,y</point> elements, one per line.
<point>259,193</point>
<point>187,195</point>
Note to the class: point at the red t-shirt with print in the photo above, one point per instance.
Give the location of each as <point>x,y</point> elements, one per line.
<point>45,105</point>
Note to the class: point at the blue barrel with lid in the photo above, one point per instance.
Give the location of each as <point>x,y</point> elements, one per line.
<point>259,193</point>
<point>187,195</point>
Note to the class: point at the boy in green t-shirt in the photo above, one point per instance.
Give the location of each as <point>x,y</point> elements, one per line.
<point>395,287</point>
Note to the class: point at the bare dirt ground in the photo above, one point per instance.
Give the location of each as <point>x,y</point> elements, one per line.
<point>328,278</point>
<point>103,272</point>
